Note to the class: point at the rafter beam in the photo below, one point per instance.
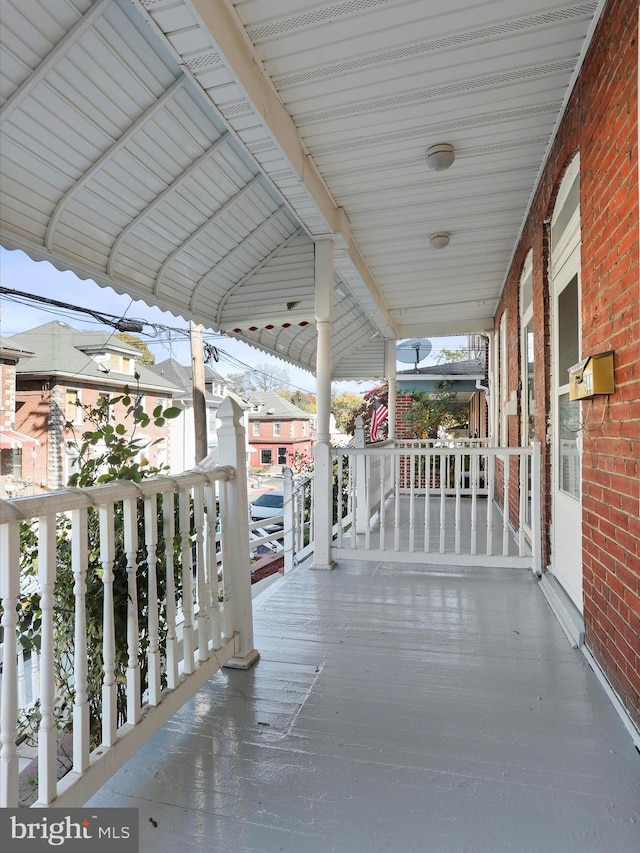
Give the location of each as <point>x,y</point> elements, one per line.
<point>49,62</point>
<point>173,186</point>
<point>201,230</point>
<point>109,154</point>
<point>253,271</point>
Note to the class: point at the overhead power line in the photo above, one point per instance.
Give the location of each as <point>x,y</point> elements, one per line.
<point>124,324</point>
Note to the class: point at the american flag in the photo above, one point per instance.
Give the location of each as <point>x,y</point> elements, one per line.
<point>380,412</point>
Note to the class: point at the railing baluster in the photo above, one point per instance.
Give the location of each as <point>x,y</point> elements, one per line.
<point>474,461</point>
<point>109,687</point>
<point>168,532</point>
<point>367,502</point>
<point>427,502</point>
<point>10,594</point>
<point>383,521</point>
<point>153,626</point>
<point>506,471</point>
<point>47,734</point>
<point>412,506</point>
<point>188,643</point>
<point>442,507</point>
<point>21,684</point>
<point>201,586</point>
<point>212,565</point>
<point>130,523</point>
<point>457,473</point>
<point>353,493</point>
<point>396,518</point>
<point>536,544</point>
<point>522,501</point>
<point>35,675</point>
<point>340,499</point>
<point>490,474</point>
<point>79,562</point>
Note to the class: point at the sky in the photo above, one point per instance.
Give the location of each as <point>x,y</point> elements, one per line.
<point>19,272</point>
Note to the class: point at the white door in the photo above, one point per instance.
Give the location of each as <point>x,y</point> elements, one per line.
<point>566,495</point>
<point>567,439</point>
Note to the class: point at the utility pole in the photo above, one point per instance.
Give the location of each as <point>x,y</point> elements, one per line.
<point>197,381</point>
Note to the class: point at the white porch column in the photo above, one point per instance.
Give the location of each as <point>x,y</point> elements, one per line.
<point>390,373</point>
<point>323,507</point>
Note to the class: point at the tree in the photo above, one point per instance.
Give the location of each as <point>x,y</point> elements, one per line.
<point>302,399</point>
<point>449,355</point>
<point>146,356</point>
<point>344,406</point>
<point>365,409</point>
<point>263,376</point>
<point>429,413</point>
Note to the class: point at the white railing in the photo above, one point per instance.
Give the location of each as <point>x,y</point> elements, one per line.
<point>173,609</point>
<point>462,505</point>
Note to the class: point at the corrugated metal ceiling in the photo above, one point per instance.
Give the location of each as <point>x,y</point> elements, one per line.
<point>188,152</point>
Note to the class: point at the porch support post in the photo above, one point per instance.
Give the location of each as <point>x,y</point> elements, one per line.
<point>323,507</point>
<point>235,539</point>
<point>390,373</point>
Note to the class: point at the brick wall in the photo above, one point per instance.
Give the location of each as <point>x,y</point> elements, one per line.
<point>601,122</point>
<point>40,413</point>
<point>8,393</point>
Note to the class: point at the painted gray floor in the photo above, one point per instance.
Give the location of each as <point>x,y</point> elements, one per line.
<point>393,709</point>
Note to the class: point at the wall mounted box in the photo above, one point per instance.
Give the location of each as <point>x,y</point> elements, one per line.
<point>593,375</point>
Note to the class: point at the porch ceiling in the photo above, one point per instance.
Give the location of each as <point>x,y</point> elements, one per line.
<point>189,152</point>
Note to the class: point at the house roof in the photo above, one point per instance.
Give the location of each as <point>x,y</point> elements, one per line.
<point>473,368</point>
<point>197,152</point>
<point>9,351</point>
<point>274,407</point>
<point>60,350</point>
<point>462,376</point>
<point>180,375</point>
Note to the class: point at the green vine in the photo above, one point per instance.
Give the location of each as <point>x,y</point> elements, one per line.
<point>108,450</point>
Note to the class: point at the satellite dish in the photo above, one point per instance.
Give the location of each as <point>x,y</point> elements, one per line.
<point>413,351</point>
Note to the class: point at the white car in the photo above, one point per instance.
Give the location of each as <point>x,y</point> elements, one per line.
<point>267,505</point>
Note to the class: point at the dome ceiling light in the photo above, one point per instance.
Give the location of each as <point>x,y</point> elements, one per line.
<point>440,240</point>
<point>440,157</point>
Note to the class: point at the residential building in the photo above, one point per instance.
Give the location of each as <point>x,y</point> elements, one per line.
<point>280,433</point>
<point>463,379</point>
<point>16,449</point>
<point>68,371</point>
<point>182,428</point>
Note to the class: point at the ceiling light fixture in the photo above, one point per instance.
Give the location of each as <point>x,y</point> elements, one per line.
<point>440,240</point>
<point>440,157</point>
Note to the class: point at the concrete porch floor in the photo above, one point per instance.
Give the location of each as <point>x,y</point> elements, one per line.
<point>394,708</point>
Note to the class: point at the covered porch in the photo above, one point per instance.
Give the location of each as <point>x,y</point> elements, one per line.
<point>394,707</point>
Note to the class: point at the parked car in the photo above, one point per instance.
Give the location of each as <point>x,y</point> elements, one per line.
<point>267,505</point>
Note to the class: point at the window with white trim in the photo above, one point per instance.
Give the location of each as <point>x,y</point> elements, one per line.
<point>72,405</point>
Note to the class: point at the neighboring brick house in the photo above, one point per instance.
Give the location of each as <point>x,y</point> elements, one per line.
<point>16,449</point>
<point>182,454</point>
<point>572,292</point>
<point>465,378</point>
<point>71,369</point>
<point>279,431</point>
